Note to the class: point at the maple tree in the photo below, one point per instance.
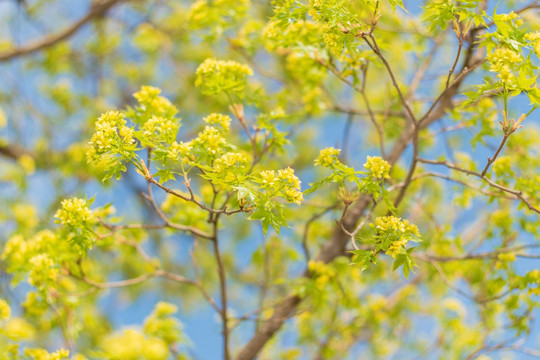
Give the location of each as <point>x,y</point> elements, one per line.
<point>361,177</point>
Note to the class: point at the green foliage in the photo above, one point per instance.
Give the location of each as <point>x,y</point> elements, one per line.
<point>425,109</point>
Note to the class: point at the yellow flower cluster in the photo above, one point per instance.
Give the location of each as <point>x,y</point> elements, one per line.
<point>230,160</point>
<point>218,13</point>
<point>268,178</point>
<point>131,344</point>
<point>215,76</point>
<point>166,128</point>
<point>74,211</point>
<point>41,354</point>
<point>285,182</point>
<point>5,310</point>
<point>502,62</point>
<point>535,39</point>
<point>509,17</point>
<point>43,270</point>
<point>165,309</point>
<point>327,157</point>
<point>18,251</point>
<point>162,325</point>
<point>179,149</point>
<point>27,163</point>
<point>292,190</point>
<point>210,139</point>
<point>146,94</point>
<point>223,121</point>
<point>149,100</point>
<point>110,128</point>
<point>396,247</point>
<point>377,167</point>
<point>18,329</point>
<point>393,226</point>
<point>322,273</point>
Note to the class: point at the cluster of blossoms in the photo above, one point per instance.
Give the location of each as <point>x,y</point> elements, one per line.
<point>41,354</point>
<point>503,61</point>
<point>220,120</point>
<point>111,134</point>
<point>322,272</point>
<point>216,76</point>
<point>510,17</point>
<point>166,129</point>
<point>160,332</point>
<point>43,270</point>
<point>291,190</point>
<point>394,233</point>
<point>77,220</point>
<point>217,13</point>
<point>229,161</point>
<point>179,150</point>
<point>74,212</point>
<point>285,182</point>
<point>5,310</point>
<point>131,344</point>
<point>334,43</point>
<point>327,157</point>
<point>535,39</point>
<point>378,168</point>
<point>152,104</point>
<point>268,178</point>
<point>162,324</point>
<point>210,139</point>
<point>27,163</point>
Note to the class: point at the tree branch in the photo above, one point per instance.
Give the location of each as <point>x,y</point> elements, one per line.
<point>98,9</point>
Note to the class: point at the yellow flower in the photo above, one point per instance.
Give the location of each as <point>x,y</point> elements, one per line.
<point>210,139</point>
<point>377,167</point>
<point>327,157</point>
<point>74,211</point>
<point>268,177</point>
<point>502,61</point>
<point>230,160</point>
<point>215,76</point>
<point>5,310</point>
<point>398,230</point>
<point>220,120</point>
<point>27,163</point>
<point>19,329</point>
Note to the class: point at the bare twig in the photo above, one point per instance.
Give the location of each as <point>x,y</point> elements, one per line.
<point>516,193</point>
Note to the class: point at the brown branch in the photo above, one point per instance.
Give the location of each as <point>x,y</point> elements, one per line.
<point>169,223</point>
<point>509,127</point>
<point>449,178</point>
<point>518,194</point>
<point>151,180</point>
<point>97,9</point>
<point>12,151</point>
<point>222,289</point>
<point>492,159</point>
<point>479,256</point>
